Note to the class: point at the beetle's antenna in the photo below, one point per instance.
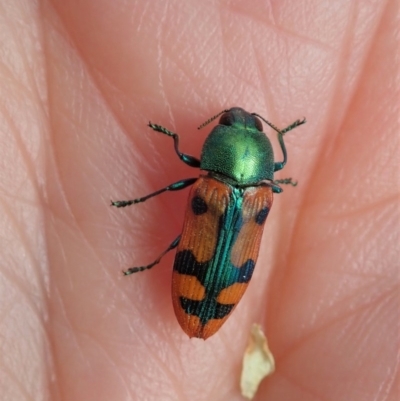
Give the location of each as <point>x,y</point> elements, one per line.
<point>282,131</point>
<point>268,123</point>
<point>211,119</point>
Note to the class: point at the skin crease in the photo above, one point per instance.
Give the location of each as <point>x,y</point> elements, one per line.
<point>79,82</point>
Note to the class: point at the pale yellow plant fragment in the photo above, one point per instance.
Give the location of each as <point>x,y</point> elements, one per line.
<point>258,362</point>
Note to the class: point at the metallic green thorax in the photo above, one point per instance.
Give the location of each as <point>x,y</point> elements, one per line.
<point>238,149</point>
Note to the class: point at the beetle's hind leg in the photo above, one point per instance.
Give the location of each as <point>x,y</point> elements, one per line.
<point>287,181</point>
<point>138,269</point>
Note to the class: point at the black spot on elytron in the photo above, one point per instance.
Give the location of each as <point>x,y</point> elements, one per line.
<point>223,310</point>
<point>262,216</point>
<point>186,263</point>
<point>199,206</point>
<point>245,272</point>
<point>206,309</point>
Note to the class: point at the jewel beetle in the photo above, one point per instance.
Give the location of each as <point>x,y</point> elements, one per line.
<point>226,211</point>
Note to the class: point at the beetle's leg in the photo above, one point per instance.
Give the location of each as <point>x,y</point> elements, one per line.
<point>275,184</point>
<point>189,160</point>
<point>286,181</point>
<point>280,165</point>
<point>176,186</point>
<point>132,270</point>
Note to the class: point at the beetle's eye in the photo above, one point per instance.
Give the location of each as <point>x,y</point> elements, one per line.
<point>226,119</point>
<point>258,124</point>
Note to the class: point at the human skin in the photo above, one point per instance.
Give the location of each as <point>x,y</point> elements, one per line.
<point>79,82</point>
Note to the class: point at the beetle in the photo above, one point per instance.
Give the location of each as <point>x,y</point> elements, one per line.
<point>226,211</point>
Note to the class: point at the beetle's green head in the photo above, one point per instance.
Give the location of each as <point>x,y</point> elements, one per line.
<point>238,149</point>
